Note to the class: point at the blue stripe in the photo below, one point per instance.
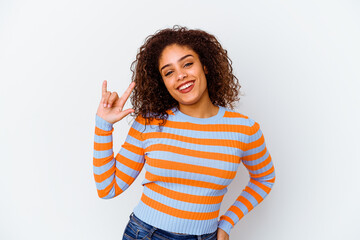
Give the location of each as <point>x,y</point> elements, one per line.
<point>185,175</point>
<point>102,154</point>
<point>242,207</point>
<point>250,198</point>
<point>123,185</point>
<point>111,194</point>
<point>104,168</point>
<point>127,170</point>
<point>103,139</point>
<point>102,185</point>
<point>191,189</point>
<point>261,170</point>
<point>254,150</point>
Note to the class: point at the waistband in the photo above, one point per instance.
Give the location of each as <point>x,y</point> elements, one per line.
<point>149,227</point>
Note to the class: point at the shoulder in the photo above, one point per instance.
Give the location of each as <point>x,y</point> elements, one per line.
<point>246,123</point>
<point>238,116</point>
<point>150,120</point>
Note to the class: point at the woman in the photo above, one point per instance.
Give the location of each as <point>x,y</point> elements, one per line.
<point>186,135</point>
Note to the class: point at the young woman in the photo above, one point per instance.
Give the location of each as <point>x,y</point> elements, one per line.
<point>186,135</point>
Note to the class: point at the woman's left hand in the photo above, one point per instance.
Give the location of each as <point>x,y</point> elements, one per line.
<point>222,235</point>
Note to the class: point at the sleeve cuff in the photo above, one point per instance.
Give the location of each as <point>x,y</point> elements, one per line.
<point>226,226</point>
<point>103,124</point>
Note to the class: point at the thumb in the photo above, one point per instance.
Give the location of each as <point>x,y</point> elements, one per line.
<point>124,113</point>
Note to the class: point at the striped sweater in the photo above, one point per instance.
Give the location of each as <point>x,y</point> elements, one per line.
<point>189,163</point>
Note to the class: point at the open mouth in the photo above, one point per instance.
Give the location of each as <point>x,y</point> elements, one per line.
<point>187,87</point>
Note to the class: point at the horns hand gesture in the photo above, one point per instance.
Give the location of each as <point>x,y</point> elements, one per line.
<point>111,106</point>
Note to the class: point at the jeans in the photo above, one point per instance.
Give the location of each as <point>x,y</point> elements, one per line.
<point>137,229</point>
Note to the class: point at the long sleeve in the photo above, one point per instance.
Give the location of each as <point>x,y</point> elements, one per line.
<point>257,160</point>
<point>114,175</point>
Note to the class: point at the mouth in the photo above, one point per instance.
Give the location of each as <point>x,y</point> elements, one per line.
<point>186,87</point>
<point>188,82</point>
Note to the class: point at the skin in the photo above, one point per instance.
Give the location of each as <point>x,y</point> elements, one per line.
<point>111,106</point>
<point>195,103</point>
<point>178,70</point>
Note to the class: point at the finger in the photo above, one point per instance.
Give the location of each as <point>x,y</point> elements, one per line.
<point>126,94</point>
<point>126,112</point>
<point>104,86</point>
<point>112,98</point>
<point>106,98</point>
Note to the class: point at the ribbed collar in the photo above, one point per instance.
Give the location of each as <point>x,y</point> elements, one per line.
<point>187,118</point>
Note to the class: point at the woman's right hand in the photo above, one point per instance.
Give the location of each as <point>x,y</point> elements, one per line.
<point>111,106</point>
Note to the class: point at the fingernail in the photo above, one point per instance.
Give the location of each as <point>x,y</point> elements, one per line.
<point>104,104</point>
<point>108,105</point>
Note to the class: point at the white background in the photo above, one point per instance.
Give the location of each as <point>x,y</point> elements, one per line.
<point>297,61</point>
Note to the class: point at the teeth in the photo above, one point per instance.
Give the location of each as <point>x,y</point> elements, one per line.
<point>185,86</point>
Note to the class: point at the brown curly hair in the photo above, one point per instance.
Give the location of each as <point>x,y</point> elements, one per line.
<point>151,99</point>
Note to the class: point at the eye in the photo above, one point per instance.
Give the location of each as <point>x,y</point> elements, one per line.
<point>188,64</point>
<point>168,73</point>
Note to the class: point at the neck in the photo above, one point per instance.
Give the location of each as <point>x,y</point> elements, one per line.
<point>201,109</point>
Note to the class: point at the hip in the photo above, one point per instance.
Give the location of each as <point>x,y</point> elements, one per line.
<point>138,229</point>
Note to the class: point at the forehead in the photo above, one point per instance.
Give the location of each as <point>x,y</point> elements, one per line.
<point>172,53</point>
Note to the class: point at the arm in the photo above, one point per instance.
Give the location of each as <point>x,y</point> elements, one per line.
<point>114,175</point>
<point>257,160</point>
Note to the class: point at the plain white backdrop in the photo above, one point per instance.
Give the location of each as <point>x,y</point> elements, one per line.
<point>297,61</point>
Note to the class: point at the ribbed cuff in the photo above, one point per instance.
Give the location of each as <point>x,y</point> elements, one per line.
<point>102,124</point>
<point>225,225</point>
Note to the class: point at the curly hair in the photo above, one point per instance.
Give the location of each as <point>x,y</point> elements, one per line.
<point>151,99</point>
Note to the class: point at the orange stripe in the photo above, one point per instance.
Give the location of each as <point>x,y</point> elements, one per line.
<point>169,111</point>
<point>271,180</point>
<point>204,127</point>
<point>105,191</point>
<point>103,146</point>
<point>184,197</point>
<point>101,132</point>
<point>195,183</point>
<point>105,175</point>
<point>246,202</point>
<point>136,134</point>
<point>129,162</point>
<point>255,144</point>
<point>123,176</point>
<point>229,114</point>
<point>194,153</point>
<point>262,174</point>
<point>99,162</point>
<point>118,190</point>
<point>132,148</point>
<point>179,166</point>
<point>253,193</point>
<point>177,212</point>
<point>226,218</point>
<point>237,211</point>
<point>260,185</point>
<point>200,141</point>
<point>259,165</point>
<point>255,156</point>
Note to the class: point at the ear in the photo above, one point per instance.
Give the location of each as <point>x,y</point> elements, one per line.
<point>205,70</point>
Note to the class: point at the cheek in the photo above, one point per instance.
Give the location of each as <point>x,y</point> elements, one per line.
<point>169,86</point>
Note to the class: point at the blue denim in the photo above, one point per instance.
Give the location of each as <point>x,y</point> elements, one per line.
<point>137,229</point>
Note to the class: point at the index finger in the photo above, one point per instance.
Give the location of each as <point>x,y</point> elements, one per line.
<point>126,94</point>
<point>104,87</point>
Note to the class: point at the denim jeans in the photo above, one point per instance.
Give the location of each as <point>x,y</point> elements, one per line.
<point>137,229</point>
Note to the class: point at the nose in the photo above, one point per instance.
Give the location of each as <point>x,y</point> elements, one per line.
<point>182,75</point>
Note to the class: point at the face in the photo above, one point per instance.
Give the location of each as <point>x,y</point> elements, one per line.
<point>179,65</point>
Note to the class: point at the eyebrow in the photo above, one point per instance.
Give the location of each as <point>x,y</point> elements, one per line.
<point>182,58</point>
